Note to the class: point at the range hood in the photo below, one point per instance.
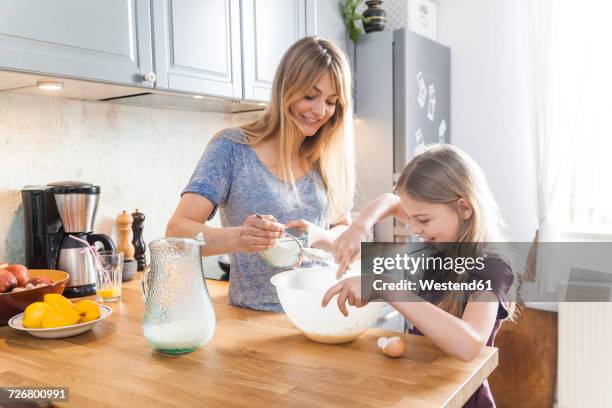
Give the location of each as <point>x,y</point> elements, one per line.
<point>170,100</point>
<point>83,90</point>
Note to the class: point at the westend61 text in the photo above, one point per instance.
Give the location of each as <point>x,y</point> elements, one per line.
<point>476,285</point>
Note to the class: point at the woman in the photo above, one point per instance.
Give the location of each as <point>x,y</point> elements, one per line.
<point>295,165</point>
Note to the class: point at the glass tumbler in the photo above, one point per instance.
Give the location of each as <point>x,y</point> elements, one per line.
<point>109,267</point>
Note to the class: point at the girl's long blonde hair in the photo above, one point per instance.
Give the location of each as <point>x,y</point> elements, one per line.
<point>331,150</point>
<point>444,174</point>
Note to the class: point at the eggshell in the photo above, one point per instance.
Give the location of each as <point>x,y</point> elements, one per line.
<point>394,348</point>
<point>382,342</point>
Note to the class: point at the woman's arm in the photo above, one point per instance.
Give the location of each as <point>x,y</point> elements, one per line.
<point>335,231</point>
<point>461,338</point>
<point>319,237</point>
<point>191,214</point>
<point>324,239</point>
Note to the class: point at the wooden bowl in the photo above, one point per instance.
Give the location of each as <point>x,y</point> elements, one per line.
<point>13,303</point>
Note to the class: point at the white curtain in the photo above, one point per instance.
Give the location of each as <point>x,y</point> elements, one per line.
<point>566,43</point>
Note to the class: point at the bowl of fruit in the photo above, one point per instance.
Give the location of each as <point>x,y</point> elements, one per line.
<point>56,317</point>
<point>20,287</point>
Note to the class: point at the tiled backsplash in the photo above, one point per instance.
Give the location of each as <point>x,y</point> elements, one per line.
<point>140,157</point>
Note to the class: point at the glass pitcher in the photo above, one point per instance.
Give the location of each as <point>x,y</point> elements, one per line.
<point>179,315</point>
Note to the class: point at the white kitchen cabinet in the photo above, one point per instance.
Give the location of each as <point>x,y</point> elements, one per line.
<point>101,40</point>
<point>269,28</point>
<point>225,48</point>
<point>197,46</point>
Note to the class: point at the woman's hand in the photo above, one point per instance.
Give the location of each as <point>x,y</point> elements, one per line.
<point>348,291</point>
<point>316,234</point>
<point>348,247</point>
<point>258,234</point>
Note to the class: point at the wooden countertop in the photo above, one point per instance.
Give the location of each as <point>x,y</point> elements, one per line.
<point>254,359</point>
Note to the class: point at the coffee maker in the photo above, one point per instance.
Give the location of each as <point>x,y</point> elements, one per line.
<point>51,214</point>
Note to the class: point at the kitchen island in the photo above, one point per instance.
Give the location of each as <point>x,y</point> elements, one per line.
<point>255,359</point>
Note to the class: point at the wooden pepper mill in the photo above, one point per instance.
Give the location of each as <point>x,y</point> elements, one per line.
<point>124,227</point>
<point>139,243</point>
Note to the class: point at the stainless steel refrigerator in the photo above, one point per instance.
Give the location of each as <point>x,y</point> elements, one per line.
<point>402,104</point>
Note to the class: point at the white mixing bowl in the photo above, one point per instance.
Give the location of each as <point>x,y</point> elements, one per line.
<point>300,292</point>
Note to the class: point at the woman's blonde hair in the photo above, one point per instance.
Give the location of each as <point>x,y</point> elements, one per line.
<point>331,150</point>
<point>443,174</point>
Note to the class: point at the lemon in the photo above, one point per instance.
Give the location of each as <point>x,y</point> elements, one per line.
<point>60,316</point>
<point>34,314</point>
<point>56,300</point>
<point>88,310</point>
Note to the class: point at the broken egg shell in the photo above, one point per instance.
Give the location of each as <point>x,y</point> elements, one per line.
<point>394,348</point>
<point>382,342</point>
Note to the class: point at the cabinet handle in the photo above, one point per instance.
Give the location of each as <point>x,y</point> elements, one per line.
<point>149,77</point>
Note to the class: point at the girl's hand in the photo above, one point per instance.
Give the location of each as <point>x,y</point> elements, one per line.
<point>258,234</point>
<point>348,291</point>
<point>347,247</point>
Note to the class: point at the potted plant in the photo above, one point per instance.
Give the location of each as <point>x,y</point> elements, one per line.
<point>351,19</point>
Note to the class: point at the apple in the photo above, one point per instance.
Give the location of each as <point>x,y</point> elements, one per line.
<point>20,272</point>
<point>7,281</point>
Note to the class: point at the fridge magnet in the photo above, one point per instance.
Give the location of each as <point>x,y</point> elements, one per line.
<point>431,108</point>
<point>420,149</point>
<point>441,131</point>
<point>418,135</point>
<point>422,98</point>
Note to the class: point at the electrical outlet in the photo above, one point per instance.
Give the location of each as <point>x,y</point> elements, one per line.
<point>422,18</point>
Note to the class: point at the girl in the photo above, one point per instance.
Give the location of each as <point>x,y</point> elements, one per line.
<point>443,196</point>
<point>295,164</point>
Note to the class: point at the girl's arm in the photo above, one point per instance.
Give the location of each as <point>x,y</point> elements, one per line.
<point>348,245</point>
<point>383,206</point>
<point>379,208</point>
<point>194,210</point>
<point>461,338</point>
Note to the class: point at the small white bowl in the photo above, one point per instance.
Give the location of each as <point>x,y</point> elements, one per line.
<point>58,332</point>
<point>286,254</point>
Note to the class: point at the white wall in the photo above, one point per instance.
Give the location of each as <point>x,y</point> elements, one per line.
<point>489,99</point>
<point>140,157</point>
<point>330,24</point>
